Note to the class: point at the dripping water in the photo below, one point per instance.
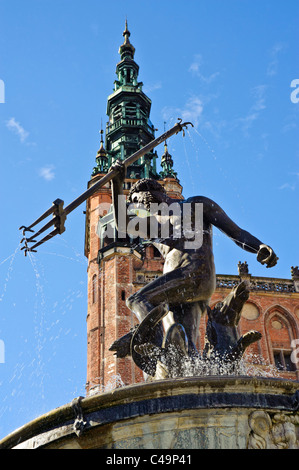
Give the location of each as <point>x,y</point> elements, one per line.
<point>189,167</point>
<point>9,271</point>
<point>79,258</point>
<point>39,319</point>
<point>115,381</point>
<point>212,152</point>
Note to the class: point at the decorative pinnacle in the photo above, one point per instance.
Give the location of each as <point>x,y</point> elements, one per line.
<point>127,47</point>
<point>101,131</point>
<point>165,131</point>
<point>102,151</point>
<point>126,32</point>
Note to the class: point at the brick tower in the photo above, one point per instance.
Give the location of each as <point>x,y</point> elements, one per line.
<point>116,269</point>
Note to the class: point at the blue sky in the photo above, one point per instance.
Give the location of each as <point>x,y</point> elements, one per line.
<point>227,66</point>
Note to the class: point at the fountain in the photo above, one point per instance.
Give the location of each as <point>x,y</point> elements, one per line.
<point>190,399</point>
<point>211,412</point>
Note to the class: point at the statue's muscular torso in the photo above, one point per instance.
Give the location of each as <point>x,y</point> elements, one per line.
<point>198,262</point>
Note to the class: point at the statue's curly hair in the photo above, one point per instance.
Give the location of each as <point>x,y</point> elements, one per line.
<point>146,185</point>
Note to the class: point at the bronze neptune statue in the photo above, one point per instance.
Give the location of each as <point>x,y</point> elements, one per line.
<point>182,294</point>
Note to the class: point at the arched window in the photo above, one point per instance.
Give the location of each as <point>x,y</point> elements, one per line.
<point>281,333</point>
<point>94,288</point>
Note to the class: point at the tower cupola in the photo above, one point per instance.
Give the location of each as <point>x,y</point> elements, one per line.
<point>102,165</point>
<point>126,50</point>
<point>167,164</point>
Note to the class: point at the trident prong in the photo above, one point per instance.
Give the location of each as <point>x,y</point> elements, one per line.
<point>185,124</point>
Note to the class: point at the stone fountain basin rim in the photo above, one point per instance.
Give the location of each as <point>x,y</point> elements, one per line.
<point>271,394</point>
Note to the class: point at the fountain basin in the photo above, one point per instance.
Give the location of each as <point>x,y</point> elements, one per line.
<point>216,412</point>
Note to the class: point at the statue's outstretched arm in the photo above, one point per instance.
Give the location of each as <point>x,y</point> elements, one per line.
<point>215,215</point>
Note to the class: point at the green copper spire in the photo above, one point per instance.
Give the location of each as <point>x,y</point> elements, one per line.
<point>127,69</point>
<point>129,127</point>
<point>126,50</point>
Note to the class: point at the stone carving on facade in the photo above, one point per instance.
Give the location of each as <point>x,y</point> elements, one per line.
<point>79,423</point>
<point>259,284</point>
<point>295,277</point>
<point>273,430</point>
<point>295,273</point>
<point>243,268</point>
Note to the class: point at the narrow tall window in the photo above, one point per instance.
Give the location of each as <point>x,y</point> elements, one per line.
<point>94,288</point>
<point>281,335</point>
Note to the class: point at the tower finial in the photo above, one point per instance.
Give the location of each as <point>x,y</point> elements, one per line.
<point>126,33</point>
<point>126,49</point>
<point>102,150</point>
<point>101,131</point>
<point>165,145</point>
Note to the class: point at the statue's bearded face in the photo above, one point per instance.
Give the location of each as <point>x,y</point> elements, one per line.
<point>144,199</point>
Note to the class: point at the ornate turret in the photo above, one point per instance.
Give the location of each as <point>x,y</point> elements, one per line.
<point>101,159</point>
<point>167,164</point>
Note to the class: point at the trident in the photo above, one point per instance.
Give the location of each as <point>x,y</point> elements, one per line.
<point>59,213</point>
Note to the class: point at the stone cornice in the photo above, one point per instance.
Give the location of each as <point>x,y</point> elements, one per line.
<point>260,284</point>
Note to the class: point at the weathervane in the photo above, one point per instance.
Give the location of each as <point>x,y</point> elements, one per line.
<point>59,214</point>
